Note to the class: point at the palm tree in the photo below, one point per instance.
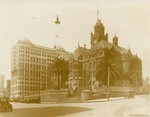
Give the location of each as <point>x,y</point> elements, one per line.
<point>60,69</point>
<point>108,66</point>
<point>107,70</point>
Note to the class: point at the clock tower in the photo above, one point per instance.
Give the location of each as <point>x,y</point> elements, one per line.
<point>99,33</point>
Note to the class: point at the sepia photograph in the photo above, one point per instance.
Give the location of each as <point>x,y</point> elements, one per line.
<point>75,58</point>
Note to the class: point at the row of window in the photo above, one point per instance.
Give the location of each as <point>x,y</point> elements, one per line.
<point>35,60</point>
<point>24,55</point>
<point>32,83</point>
<point>34,49</point>
<point>23,51</point>
<point>24,47</point>
<point>44,61</point>
<point>37,52</point>
<point>28,88</point>
<point>31,73</point>
<point>32,66</point>
<point>34,79</point>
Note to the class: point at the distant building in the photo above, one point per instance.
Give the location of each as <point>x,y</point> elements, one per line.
<point>8,87</point>
<point>2,81</point>
<point>29,64</point>
<point>3,93</point>
<point>130,65</point>
<point>76,63</point>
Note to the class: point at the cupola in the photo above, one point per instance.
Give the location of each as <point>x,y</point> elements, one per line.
<point>115,40</point>
<point>99,23</point>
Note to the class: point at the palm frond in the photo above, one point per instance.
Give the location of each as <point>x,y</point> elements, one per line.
<point>102,68</point>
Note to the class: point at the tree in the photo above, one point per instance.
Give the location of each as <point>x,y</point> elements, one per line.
<point>107,69</point>
<point>60,69</point>
<point>135,71</point>
<point>107,66</point>
<point>102,71</point>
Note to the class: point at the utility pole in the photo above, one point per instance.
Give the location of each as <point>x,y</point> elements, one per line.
<point>108,89</point>
<point>39,89</point>
<point>136,79</point>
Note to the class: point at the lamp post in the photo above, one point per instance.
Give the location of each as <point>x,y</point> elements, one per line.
<point>39,87</point>
<point>108,89</point>
<point>136,79</point>
<point>39,93</point>
<point>148,83</point>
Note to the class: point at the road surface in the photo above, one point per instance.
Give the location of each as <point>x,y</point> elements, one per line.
<point>117,107</point>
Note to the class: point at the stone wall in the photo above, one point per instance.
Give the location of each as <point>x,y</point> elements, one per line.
<point>52,95</point>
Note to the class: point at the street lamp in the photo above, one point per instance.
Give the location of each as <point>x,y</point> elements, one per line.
<point>39,93</point>
<point>136,79</point>
<point>108,89</point>
<point>39,88</point>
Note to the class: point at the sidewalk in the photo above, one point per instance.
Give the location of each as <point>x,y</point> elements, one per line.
<point>103,100</point>
<point>111,99</point>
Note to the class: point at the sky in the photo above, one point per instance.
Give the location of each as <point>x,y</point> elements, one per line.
<point>34,19</point>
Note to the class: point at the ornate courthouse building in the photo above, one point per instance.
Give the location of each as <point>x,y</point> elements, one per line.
<point>86,61</point>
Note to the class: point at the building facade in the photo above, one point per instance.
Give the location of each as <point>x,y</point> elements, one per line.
<point>2,81</point>
<point>8,88</point>
<point>130,66</point>
<point>29,65</point>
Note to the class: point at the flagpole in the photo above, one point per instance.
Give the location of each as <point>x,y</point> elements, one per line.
<point>97,13</point>
<point>108,88</point>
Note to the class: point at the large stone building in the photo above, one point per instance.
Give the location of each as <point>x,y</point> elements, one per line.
<point>2,81</point>
<point>29,65</point>
<point>130,66</point>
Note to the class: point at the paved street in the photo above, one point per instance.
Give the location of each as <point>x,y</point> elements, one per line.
<point>116,107</point>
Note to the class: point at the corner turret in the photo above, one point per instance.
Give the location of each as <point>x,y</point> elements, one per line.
<point>115,40</point>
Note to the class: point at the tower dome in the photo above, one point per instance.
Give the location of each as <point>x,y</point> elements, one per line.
<point>99,23</point>
<point>115,37</point>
